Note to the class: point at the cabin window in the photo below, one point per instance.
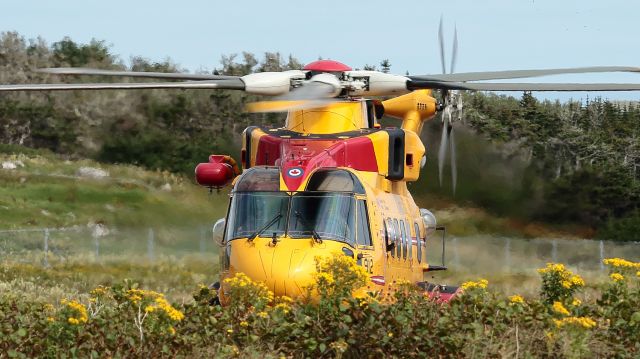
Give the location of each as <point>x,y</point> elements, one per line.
<point>391,236</point>
<point>334,181</point>
<point>329,215</point>
<point>404,240</point>
<point>364,235</point>
<point>253,212</point>
<point>396,238</point>
<point>259,179</point>
<point>385,233</point>
<point>409,242</point>
<point>418,242</point>
<point>424,248</point>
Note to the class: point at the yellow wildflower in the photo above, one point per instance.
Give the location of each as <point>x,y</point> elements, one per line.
<point>516,299</point>
<point>566,284</point>
<point>48,307</point>
<point>263,315</point>
<point>171,330</point>
<point>559,308</point>
<point>638,273</point>
<point>390,335</point>
<point>50,319</point>
<point>576,302</point>
<point>620,263</point>
<point>99,291</point>
<point>616,277</point>
<point>584,322</point>
<point>577,281</point>
<point>284,307</point>
<point>78,309</point>
<point>482,284</point>
<point>149,309</point>
<point>229,331</point>
<point>244,323</point>
<point>552,267</point>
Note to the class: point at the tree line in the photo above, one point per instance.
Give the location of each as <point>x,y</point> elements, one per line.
<point>582,160</point>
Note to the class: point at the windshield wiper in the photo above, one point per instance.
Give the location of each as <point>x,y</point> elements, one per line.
<point>316,236</point>
<point>264,228</point>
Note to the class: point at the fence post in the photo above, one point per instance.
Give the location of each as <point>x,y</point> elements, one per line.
<point>96,241</point>
<point>46,247</point>
<point>202,240</point>
<point>456,258</point>
<point>150,244</point>
<point>507,254</point>
<point>601,255</point>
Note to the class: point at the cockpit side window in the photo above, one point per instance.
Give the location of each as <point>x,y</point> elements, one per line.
<point>332,180</point>
<point>364,236</point>
<point>259,179</point>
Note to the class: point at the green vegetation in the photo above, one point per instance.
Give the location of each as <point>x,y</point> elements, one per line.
<point>573,165</point>
<point>126,319</point>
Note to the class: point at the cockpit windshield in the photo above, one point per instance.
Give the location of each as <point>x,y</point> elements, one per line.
<point>253,212</point>
<point>330,215</point>
<point>304,214</point>
<point>328,209</point>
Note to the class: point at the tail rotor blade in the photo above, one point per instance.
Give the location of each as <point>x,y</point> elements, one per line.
<point>454,51</point>
<point>441,40</point>
<point>454,167</point>
<point>442,151</point>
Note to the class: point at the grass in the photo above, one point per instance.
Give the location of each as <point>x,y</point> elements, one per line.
<point>77,275</point>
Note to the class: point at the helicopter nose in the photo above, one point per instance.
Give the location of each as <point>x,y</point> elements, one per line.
<point>286,268</point>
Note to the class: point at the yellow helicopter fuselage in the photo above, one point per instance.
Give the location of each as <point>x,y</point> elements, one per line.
<point>331,180</point>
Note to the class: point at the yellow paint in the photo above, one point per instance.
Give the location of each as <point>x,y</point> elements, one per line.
<point>413,109</point>
<point>334,118</point>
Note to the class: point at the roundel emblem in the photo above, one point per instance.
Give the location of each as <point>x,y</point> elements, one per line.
<point>295,172</point>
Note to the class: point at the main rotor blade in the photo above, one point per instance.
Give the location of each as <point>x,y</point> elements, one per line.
<point>286,105</point>
<point>310,95</point>
<point>441,41</point>
<point>231,84</point>
<point>485,86</point>
<point>308,91</point>
<point>152,75</point>
<point>515,74</point>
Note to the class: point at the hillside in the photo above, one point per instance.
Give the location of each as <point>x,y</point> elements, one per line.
<point>40,189</point>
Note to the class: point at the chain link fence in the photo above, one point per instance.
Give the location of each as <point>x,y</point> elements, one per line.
<point>488,254</point>
<point>484,254</point>
<point>47,245</point>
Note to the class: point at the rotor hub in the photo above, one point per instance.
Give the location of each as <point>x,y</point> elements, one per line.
<point>327,66</point>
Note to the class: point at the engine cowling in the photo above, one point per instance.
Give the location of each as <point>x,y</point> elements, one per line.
<point>216,173</point>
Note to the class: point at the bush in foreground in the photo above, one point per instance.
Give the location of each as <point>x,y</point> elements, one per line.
<point>344,321</point>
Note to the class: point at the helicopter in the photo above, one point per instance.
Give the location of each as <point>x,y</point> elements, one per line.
<point>331,178</point>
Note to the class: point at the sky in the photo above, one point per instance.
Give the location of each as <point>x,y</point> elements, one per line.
<point>492,34</point>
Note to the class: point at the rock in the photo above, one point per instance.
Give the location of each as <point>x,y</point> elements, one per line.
<point>166,187</point>
<point>9,165</point>
<point>98,229</point>
<point>92,172</point>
